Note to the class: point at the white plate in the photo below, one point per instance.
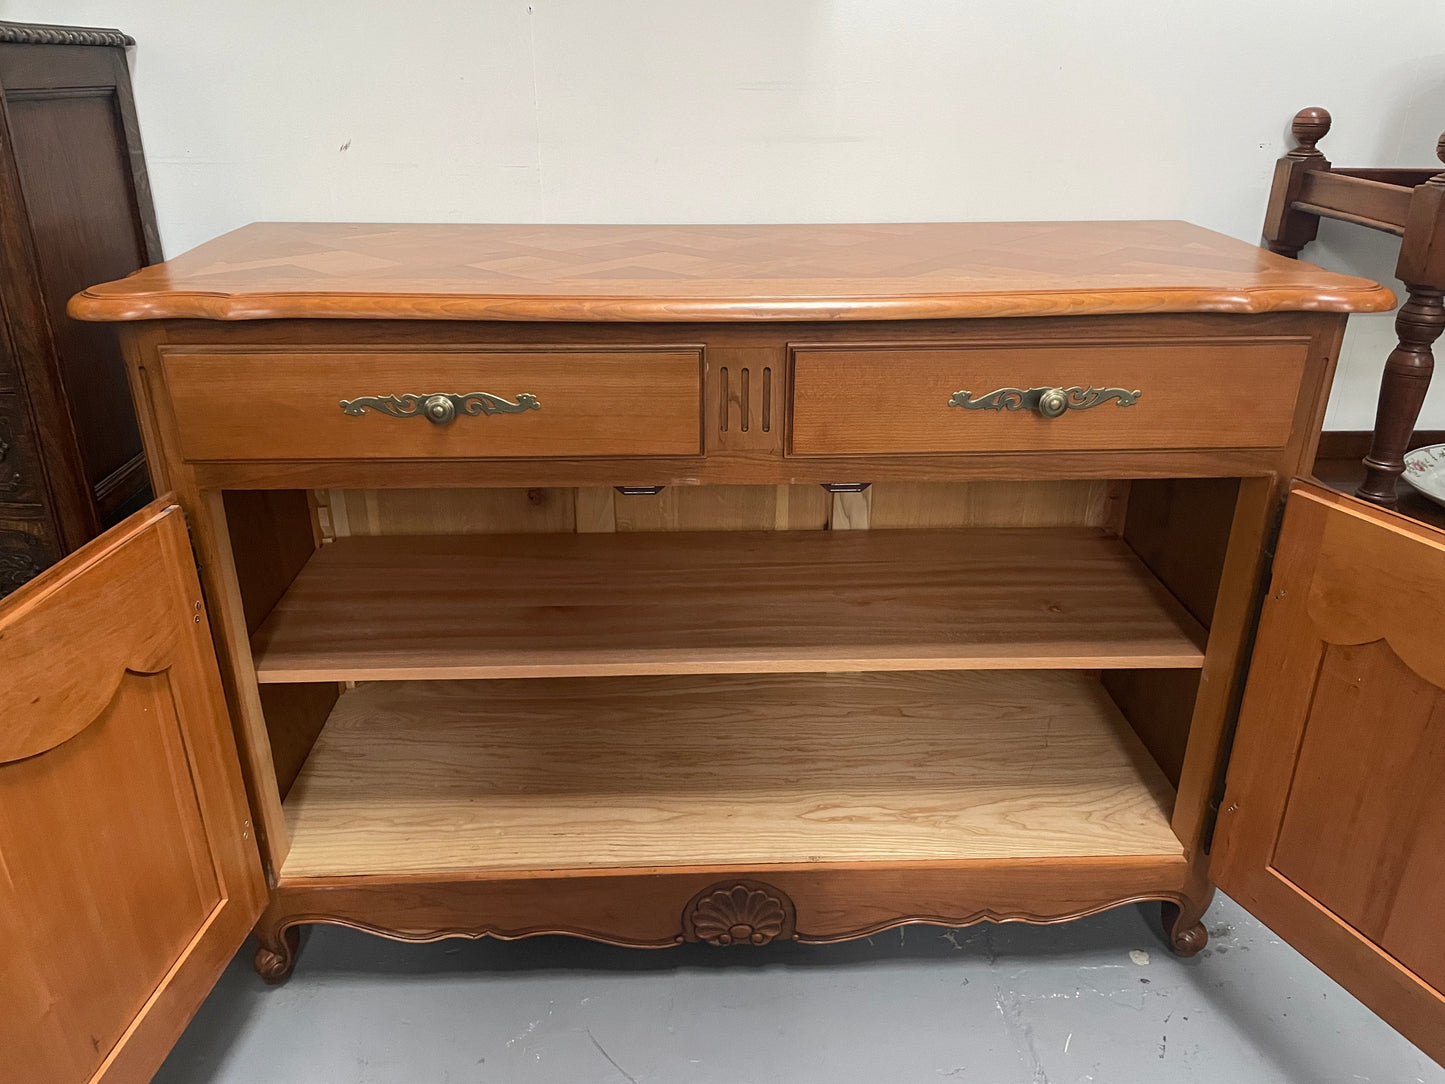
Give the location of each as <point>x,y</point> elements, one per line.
<point>1425,470</point>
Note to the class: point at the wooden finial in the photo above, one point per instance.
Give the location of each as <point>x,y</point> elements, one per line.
<point>1309,127</point>
<point>1438,181</point>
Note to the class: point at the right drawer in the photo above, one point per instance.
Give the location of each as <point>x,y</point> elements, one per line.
<point>880,400</point>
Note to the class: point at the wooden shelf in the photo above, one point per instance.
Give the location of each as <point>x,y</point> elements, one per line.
<point>592,605</point>
<point>448,777</point>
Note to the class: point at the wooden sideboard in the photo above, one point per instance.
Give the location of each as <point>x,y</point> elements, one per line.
<point>730,584</point>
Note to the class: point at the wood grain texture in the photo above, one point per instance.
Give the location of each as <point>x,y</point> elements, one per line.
<point>1363,201</point>
<point>1231,639</point>
<point>196,483</point>
<point>740,470</point>
<point>594,509</point>
<point>111,606</point>
<point>286,405</point>
<point>671,273</point>
<point>645,908</point>
<point>1287,230</point>
<point>614,773</point>
<point>621,600</point>
<point>130,876</point>
<point>723,508</point>
<point>85,218</point>
<point>272,537</point>
<point>1330,829</point>
<point>721,464</point>
<point>745,404</point>
<point>1159,705</point>
<point>880,400</point>
<point>428,607</point>
<point>74,207</point>
<point>1409,204</point>
<point>449,511</point>
<point>1380,869</point>
<point>1406,379</point>
<point>294,714</point>
<point>211,538</point>
<point>1180,528</point>
<point>1381,580</point>
<point>1053,503</point>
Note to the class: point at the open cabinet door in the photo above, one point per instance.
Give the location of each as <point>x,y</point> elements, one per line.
<point>129,875</point>
<point>1332,831</point>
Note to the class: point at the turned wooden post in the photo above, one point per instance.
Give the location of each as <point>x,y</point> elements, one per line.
<point>1419,323</point>
<point>1286,231</point>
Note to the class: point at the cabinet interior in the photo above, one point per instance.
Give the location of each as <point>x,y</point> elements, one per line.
<point>479,680</point>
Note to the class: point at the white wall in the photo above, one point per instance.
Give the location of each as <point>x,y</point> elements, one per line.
<point>775,110</point>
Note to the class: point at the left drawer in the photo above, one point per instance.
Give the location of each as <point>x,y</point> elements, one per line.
<point>262,404</point>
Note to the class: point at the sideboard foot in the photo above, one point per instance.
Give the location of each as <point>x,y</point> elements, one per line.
<point>276,955</point>
<point>1184,925</point>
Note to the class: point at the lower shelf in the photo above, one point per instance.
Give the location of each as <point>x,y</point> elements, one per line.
<point>732,771</point>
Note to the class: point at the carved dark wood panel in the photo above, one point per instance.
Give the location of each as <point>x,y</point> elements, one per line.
<point>75,208</point>
<point>25,551</point>
<point>20,471</point>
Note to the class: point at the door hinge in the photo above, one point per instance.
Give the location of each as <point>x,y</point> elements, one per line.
<point>1264,585</point>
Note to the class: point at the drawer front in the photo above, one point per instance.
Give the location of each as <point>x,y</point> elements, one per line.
<point>237,405</point>
<point>915,399</point>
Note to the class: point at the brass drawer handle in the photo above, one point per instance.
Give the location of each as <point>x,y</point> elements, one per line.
<point>441,407</point>
<point>1048,402</point>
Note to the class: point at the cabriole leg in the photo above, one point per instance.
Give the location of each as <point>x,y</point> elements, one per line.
<point>1184,922</point>
<point>276,955</point>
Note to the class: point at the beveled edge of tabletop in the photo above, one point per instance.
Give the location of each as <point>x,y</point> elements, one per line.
<point>1368,297</point>
<point>269,271</point>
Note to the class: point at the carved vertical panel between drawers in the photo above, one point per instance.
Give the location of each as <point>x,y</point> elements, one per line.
<point>744,401</point>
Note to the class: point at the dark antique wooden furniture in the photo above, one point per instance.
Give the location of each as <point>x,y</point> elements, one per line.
<point>1409,203</point>
<point>722,584</point>
<point>75,207</point>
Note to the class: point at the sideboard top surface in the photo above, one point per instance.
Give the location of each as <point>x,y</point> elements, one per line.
<point>339,270</point>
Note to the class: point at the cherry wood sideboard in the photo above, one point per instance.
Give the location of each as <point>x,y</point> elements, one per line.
<point>723,584</point>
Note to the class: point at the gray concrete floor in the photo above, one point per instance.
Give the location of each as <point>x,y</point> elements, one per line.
<point>1098,1000</point>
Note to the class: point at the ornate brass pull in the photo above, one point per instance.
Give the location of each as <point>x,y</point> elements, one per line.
<point>1048,402</point>
<point>441,407</point>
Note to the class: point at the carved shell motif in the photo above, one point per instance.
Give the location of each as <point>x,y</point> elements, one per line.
<point>740,913</point>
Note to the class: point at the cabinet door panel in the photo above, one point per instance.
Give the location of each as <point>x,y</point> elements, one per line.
<point>1333,825</point>
<point>130,875</point>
